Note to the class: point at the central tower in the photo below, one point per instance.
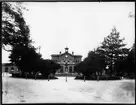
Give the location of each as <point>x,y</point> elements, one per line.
<point>66,49</point>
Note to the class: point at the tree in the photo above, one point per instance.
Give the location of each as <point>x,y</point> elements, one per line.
<point>92,63</point>
<point>130,60</point>
<point>46,67</point>
<point>14,28</point>
<point>113,49</point>
<point>16,37</point>
<point>80,67</point>
<point>128,64</point>
<point>25,58</point>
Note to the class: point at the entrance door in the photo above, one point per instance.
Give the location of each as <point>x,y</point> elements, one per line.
<point>61,69</point>
<point>66,69</point>
<point>70,69</point>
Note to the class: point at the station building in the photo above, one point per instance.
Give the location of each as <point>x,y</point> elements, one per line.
<point>67,61</point>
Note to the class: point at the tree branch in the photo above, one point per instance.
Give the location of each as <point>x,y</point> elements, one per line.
<point>3,46</point>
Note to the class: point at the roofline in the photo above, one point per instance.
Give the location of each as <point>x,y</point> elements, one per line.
<point>57,55</point>
<point>78,55</point>
<point>8,64</point>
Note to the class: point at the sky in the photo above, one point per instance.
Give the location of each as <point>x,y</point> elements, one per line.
<point>80,26</point>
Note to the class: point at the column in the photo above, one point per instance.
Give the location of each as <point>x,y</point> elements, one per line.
<point>63,69</point>
<point>68,68</point>
<point>73,68</point>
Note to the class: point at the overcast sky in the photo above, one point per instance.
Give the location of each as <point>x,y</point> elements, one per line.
<point>80,26</point>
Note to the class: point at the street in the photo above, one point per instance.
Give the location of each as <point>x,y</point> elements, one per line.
<point>19,90</point>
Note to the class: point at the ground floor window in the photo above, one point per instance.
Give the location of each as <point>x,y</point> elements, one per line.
<point>12,68</point>
<point>61,69</point>
<point>70,69</point>
<point>6,69</point>
<point>66,69</point>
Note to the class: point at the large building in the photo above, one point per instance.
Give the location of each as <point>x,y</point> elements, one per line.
<point>66,60</point>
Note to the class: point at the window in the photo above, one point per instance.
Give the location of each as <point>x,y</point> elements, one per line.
<point>70,69</point>
<point>12,68</point>
<point>6,69</point>
<point>61,69</point>
<point>66,69</point>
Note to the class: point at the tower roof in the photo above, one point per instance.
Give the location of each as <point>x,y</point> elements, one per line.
<point>66,49</point>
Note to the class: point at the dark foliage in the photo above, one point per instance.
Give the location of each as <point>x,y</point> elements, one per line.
<point>100,78</point>
<point>30,62</point>
<point>126,67</point>
<point>113,49</point>
<point>15,31</point>
<point>92,64</point>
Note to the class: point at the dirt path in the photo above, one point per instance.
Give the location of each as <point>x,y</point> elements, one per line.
<point>59,91</point>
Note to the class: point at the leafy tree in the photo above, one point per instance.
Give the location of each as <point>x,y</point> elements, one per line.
<point>127,65</point>
<point>113,49</point>
<point>46,67</point>
<point>15,31</point>
<point>80,67</point>
<point>25,58</point>
<point>131,60</point>
<point>92,63</point>
<point>15,37</point>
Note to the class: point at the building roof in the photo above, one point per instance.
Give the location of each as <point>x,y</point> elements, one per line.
<point>66,52</point>
<point>57,55</point>
<point>7,64</point>
<point>77,55</point>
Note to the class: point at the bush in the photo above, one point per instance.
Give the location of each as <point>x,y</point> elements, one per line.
<point>31,76</point>
<point>130,76</point>
<point>100,77</point>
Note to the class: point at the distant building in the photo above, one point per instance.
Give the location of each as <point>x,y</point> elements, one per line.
<point>8,67</point>
<point>66,60</point>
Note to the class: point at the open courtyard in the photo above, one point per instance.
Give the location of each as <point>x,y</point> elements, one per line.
<point>19,90</point>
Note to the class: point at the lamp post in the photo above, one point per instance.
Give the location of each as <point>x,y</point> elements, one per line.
<point>84,78</point>
<point>66,70</point>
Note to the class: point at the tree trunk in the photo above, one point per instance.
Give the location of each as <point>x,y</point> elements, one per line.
<point>97,77</point>
<point>36,75</point>
<point>26,75</point>
<point>84,78</point>
<point>48,77</point>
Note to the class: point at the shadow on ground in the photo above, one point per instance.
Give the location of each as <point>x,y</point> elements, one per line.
<point>38,78</point>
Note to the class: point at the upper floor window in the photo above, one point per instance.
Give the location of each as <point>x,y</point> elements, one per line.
<point>66,56</point>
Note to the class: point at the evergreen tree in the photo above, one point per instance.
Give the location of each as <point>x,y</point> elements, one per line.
<point>113,49</point>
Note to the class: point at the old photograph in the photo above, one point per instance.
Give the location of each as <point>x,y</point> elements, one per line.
<point>68,52</point>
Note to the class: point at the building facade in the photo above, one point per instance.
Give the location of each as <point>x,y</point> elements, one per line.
<point>67,61</point>
<point>8,67</point>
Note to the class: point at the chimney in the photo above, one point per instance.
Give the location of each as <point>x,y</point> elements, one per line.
<point>72,53</point>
